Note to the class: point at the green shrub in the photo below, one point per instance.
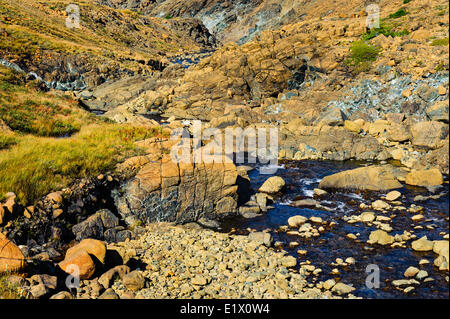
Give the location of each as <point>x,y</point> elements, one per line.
<point>363,52</point>
<point>398,14</point>
<point>406,1</point>
<point>385,30</point>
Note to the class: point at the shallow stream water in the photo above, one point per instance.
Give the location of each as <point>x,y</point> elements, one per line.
<point>301,178</point>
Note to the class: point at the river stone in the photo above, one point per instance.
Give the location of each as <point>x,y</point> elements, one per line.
<point>430,177</point>
<point>367,217</point>
<point>272,185</point>
<point>296,221</point>
<point>342,289</point>
<point>422,274</point>
<point>439,111</point>
<point>375,178</point>
<point>380,205</point>
<point>411,272</point>
<point>317,220</point>
<point>380,237</point>
<point>330,283</point>
<point>441,247</point>
<point>394,195</point>
<point>288,261</point>
<point>261,237</point>
<point>422,244</point>
<point>134,281</point>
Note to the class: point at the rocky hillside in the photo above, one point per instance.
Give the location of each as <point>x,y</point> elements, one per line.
<point>109,44</point>
<point>87,177</point>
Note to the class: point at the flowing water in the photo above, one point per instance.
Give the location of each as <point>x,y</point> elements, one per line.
<point>301,178</point>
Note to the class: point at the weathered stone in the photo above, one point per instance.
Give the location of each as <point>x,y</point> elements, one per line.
<point>296,221</point>
<point>342,289</point>
<point>422,244</point>
<point>411,272</point>
<point>374,178</point>
<point>439,111</point>
<point>134,281</point>
<point>11,257</point>
<point>430,177</point>
<point>106,279</point>
<point>380,237</point>
<point>261,237</point>
<point>272,185</point>
<point>430,134</point>
<point>394,195</point>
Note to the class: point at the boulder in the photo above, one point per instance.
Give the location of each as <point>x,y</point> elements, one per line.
<point>375,178</point>
<point>431,134</point>
<point>272,185</point>
<point>134,281</point>
<point>80,263</point>
<point>380,237</point>
<point>261,238</point>
<point>438,111</point>
<point>84,257</point>
<point>106,280</point>
<point>297,221</point>
<point>430,177</point>
<point>163,190</point>
<point>394,195</point>
<point>11,257</point>
<point>422,244</point>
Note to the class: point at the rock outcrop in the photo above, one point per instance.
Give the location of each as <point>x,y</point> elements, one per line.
<point>374,178</point>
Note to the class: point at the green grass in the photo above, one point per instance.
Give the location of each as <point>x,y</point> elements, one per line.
<point>6,140</point>
<point>26,109</point>
<point>385,30</point>
<point>398,14</point>
<point>440,42</point>
<point>36,166</point>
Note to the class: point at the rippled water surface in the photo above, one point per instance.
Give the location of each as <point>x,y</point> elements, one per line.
<point>301,178</point>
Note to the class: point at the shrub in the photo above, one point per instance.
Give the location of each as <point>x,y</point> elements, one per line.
<point>363,52</point>
<point>398,14</point>
<point>385,30</point>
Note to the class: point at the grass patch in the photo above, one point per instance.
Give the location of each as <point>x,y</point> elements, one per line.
<point>406,1</point>
<point>7,140</point>
<point>26,109</point>
<point>36,166</point>
<point>384,29</point>
<point>9,290</point>
<point>398,14</point>
<point>440,42</point>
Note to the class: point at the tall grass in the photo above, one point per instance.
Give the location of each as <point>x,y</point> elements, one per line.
<point>36,166</point>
